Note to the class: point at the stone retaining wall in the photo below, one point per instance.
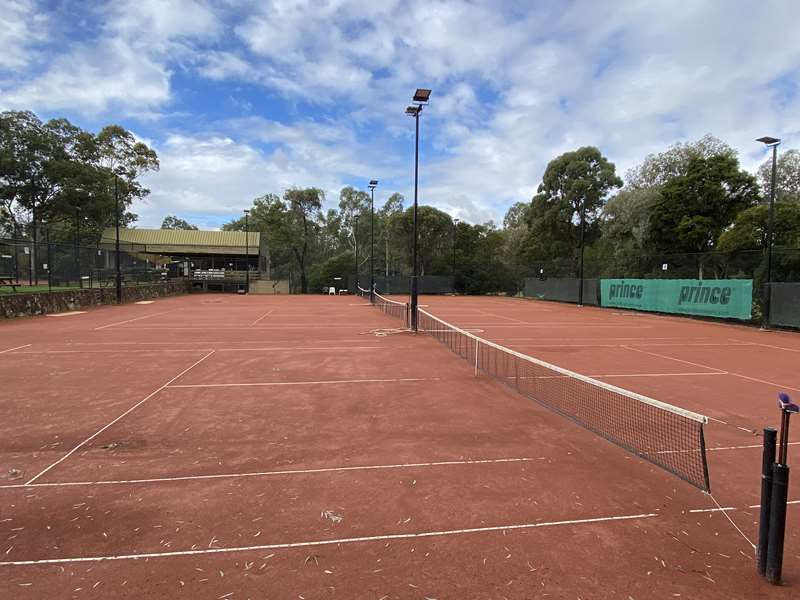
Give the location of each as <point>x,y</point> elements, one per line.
<point>22,305</point>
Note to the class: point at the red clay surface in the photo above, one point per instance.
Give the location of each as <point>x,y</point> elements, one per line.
<point>302,447</point>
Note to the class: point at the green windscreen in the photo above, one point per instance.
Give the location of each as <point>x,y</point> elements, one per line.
<point>725,298</point>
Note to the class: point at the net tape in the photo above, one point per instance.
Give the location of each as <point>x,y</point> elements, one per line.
<point>665,435</point>
<point>393,308</point>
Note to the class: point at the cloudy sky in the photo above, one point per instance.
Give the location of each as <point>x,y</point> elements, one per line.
<point>242,98</point>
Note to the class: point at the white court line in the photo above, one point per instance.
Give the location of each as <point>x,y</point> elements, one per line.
<point>772,383</point>
<point>719,447</point>
<point>766,345</point>
<point>646,344</point>
<point>351,540</point>
<point>130,410</point>
<point>15,348</point>
<point>658,374</point>
<point>443,463</point>
<point>150,351</point>
<point>620,375</point>
<point>266,314</point>
<point>136,319</point>
<point>326,382</point>
<point>729,508</point>
<point>67,314</point>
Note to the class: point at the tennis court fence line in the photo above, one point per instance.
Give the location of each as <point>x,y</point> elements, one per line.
<point>665,435</point>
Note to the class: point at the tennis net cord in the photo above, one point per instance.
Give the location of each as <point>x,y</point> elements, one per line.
<point>665,435</point>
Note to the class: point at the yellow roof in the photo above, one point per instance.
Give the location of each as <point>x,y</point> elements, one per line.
<point>188,241</point>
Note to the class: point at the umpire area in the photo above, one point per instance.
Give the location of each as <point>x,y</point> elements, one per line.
<point>236,447</point>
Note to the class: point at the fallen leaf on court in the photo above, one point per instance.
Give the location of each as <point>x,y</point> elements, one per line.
<point>332,516</point>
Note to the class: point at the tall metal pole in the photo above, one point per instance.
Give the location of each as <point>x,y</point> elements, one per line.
<point>355,240</point>
<point>16,251</point>
<point>49,260</point>
<point>77,245</point>
<point>246,255</point>
<point>372,245</point>
<point>768,284</point>
<point>580,268</point>
<point>32,274</point>
<point>414,298</point>
<point>118,273</point>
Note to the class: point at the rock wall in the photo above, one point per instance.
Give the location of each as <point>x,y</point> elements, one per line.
<point>22,305</point>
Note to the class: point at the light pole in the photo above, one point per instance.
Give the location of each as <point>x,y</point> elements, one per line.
<point>774,143</point>
<point>453,266</point>
<point>355,242</point>
<point>580,267</point>
<point>77,245</point>
<point>118,273</point>
<point>420,98</point>
<point>372,185</point>
<point>246,254</point>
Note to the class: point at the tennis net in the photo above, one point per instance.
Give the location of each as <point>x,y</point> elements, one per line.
<point>393,308</point>
<point>667,436</point>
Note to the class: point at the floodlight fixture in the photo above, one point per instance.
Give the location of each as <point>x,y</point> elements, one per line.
<point>422,95</point>
<point>768,140</point>
<point>413,111</point>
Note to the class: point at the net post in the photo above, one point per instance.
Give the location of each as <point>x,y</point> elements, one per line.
<point>704,460</point>
<point>777,522</point>
<point>767,460</point>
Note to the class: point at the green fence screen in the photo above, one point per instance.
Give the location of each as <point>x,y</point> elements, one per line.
<point>562,290</point>
<point>785,304</point>
<point>726,298</point>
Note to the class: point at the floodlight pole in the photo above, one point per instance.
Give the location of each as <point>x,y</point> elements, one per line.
<point>32,273</point>
<point>77,245</point>
<point>765,309</point>
<point>118,275</point>
<point>246,254</point>
<point>372,184</point>
<point>580,267</point>
<point>453,265</point>
<point>767,295</point>
<point>414,288</point>
<point>355,242</point>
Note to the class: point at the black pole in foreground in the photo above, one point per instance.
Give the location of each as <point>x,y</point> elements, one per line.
<point>780,491</point>
<point>767,460</point>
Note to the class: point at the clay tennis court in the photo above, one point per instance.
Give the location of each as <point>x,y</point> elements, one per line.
<point>308,447</point>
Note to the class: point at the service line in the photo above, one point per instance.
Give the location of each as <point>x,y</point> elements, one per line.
<point>323,382</point>
<point>702,366</point>
<point>136,319</point>
<point>127,412</point>
<point>442,463</point>
<point>266,314</point>
<point>306,544</point>
<point>16,348</point>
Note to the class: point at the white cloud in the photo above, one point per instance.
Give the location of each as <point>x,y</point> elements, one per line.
<point>23,28</point>
<point>96,79</point>
<point>515,84</point>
